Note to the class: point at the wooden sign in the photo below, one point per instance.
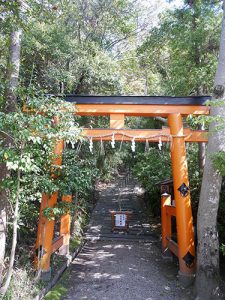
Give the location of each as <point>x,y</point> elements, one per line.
<point>120,220</point>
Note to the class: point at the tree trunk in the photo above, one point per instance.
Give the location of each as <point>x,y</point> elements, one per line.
<point>10,106</point>
<point>3,219</point>
<point>5,287</point>
<point>207,277</point>
<point>13,71</point>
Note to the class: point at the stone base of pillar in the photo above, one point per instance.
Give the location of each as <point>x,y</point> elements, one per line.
<point>46,275</point>
<point>64,250</point>
<point>186,280</point>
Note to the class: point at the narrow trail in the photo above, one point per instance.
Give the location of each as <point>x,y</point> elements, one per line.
<point>122,266</point>
<point>122,194</point>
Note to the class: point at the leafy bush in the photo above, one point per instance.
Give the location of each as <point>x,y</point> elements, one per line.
<point>219,162</point>
<point>78,171</point>
<point>223,249</point>
<point>152,167</point>
<point>27,151</point>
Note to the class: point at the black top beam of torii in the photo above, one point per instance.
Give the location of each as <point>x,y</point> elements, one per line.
<point>152,100</point>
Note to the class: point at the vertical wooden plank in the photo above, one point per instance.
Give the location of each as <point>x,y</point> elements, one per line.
<point>65,227</point>
<point>117,121</point>
<point>47,236</point>
<point>165,221</point>
<point>45,232</point>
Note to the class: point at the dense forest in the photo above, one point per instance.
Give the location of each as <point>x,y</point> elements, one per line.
<point>94,47</point>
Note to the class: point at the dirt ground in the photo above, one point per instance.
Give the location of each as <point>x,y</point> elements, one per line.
<point>123,266</point>
<point>123,270</point>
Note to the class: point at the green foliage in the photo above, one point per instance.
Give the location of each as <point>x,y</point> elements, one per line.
<point>109,161</point>
<point>32,137</point>
<point>60,209</point>
<point>59,289</point>
<point>78,171</point>
<point>22,285</point>
<point>69,46</point>
<point>183,49</point>
<point>152,167</point>
<point>223,249</point>
<point>56,293</point>
<point>82,47</point>
<point>81,218</point>
<point>219,162</point>
<point>74,243</point>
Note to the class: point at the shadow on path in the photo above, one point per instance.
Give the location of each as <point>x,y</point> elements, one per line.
<point>119,266</point>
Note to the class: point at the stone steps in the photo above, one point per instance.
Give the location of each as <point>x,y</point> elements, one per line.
<point>113,198</point>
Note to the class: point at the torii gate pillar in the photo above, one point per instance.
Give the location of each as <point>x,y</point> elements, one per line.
<point>45,231</point>
<point>185,231</point>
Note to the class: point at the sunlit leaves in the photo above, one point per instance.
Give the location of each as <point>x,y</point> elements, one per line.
<point>183,49</point>
<point>153,166</point>
<point>33,135</point>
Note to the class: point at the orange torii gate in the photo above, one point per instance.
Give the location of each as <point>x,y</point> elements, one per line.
<point>117,108</point>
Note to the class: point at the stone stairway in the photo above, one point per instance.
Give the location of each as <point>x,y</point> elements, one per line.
<point>123,194</point>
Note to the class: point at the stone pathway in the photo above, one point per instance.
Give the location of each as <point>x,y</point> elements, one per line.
<point>122,266</point>
<point>123,194</point>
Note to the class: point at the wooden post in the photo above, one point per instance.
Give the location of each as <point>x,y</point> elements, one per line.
<point>166,224</point>
<point>39,239</point>
<point>45,230</point>
<point>65,227</point>
<point>117,121</point>
<point>185,230</point>
<point>47,234</point>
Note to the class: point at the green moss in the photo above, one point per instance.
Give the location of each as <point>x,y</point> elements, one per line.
<point>74,243</point>
<point>56,293</point>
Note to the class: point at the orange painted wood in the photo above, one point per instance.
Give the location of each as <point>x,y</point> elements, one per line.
<point>184,220</point>
<point>117,121</point>
<point>47,235</point>
<point>65,227</point>
<point>147,110</point>
<point>180,173</point>
<point>173,246</point>
<point>140,110</point>
<point>170,210</point>
<point>57,161</point>
<point>45,230</point>
<point>199,136</point>
<point>165,220</point>
<point>40,230</point>
<point>57,243</point>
